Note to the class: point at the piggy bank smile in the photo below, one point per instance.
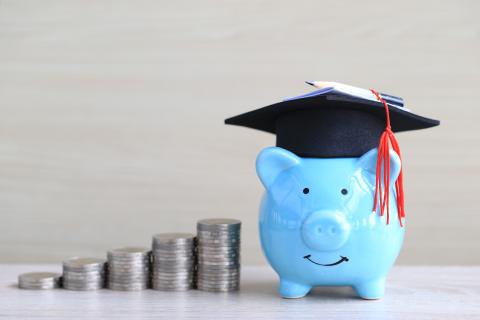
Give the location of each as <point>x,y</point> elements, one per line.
<point>342,259</point>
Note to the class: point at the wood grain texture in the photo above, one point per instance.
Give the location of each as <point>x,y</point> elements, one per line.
<point>412,293</point>
<point>111,114</point>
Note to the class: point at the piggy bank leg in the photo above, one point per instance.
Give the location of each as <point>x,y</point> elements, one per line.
<point>291,290</point>
<point>371,290</point>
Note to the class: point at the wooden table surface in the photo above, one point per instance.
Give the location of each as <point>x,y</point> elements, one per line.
<point>412,293</point>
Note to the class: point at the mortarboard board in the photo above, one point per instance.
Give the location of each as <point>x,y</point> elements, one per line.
<point>341,121</point>
<point>335,121</point>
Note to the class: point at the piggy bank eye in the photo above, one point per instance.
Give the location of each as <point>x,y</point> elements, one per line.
<point>344,191</point>
<point>306,191</point>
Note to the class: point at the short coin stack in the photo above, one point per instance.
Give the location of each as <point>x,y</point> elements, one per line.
<point>218,254</point>
<point>173,265</point>
<point>128,269</point>
<point>39,280</point>
<point>83,274</point>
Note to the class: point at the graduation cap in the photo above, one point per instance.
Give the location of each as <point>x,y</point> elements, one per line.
<point>335,121</point>
<point>338,120</point>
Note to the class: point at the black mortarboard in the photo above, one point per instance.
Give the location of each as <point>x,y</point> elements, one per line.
<point>335,121</point>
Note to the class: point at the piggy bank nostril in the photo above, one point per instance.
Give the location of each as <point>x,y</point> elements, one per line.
<point>333,230</point>
<point>319,230</point>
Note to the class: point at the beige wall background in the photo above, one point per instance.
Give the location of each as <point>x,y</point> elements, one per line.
<point>111,114</point>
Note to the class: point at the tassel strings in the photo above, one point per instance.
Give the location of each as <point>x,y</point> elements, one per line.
<point>382,197</point>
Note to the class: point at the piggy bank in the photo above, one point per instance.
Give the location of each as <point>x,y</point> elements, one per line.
<point>317,227</point>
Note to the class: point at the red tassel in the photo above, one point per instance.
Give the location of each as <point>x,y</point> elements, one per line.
<point>382,196</point>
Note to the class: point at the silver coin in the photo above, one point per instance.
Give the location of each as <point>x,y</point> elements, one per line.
<point>173,281</point>
<point>127,287</point>
<point>174,288</point>
<point>216,224</point>
<point>207,289</point>
<point>82,275</point>
<point>218,242</point>
<point>128,252</point>
<point>173,263</point>
<point>122,268</point>
<point>203,284</point>
<point>215,266</point>
<point>82,281</point>
<point>136,264</point>
<point>162,283</point>
<point>219,276</point>
<point>233,233</point>
<point>132,263</point>
<point>217,235</point>
<point>216,251</point>
<point>220,264</point>
<point>83,288</point>
<point>217,284</point>
<point>172,272</point>
<point>39,280</point>
<point>215,276</point>
<point>173,258</point>
<point>129,258</point>
<point>173,277</point>
<point>133,272</point>
<point>230,286</point>
<point>83,264</point>
<point>173,238</point>
<point>217,247</point>
<point>128,278</point>
<point>129,263</point>
<point>203,237</point>
<point>174,249</point>
<point>216,279</point>
<point>169,242</point>
<point>174,253</point>
<point>75,287</point>
<point>218,256</point>
<point>128,274</point>
<point>214,271</point>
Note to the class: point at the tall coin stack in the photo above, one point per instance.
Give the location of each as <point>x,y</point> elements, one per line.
<point>218,254</point>
<point>128,269</point>
<point>173,265</point>
<point>83,274</point>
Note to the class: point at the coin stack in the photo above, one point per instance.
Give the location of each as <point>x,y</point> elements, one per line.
<point>128,269</point>
<point>39,280</point>
<point>83,274</point>
<point>218,254</point>
<point>173,261</point>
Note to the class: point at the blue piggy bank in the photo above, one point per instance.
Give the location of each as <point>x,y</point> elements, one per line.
<point>316,222</point>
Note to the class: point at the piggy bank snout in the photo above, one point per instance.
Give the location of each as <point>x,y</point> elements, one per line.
<point>325,230</point>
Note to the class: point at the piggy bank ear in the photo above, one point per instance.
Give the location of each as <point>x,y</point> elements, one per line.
<point>273,161</point>
<point>368,164</point>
